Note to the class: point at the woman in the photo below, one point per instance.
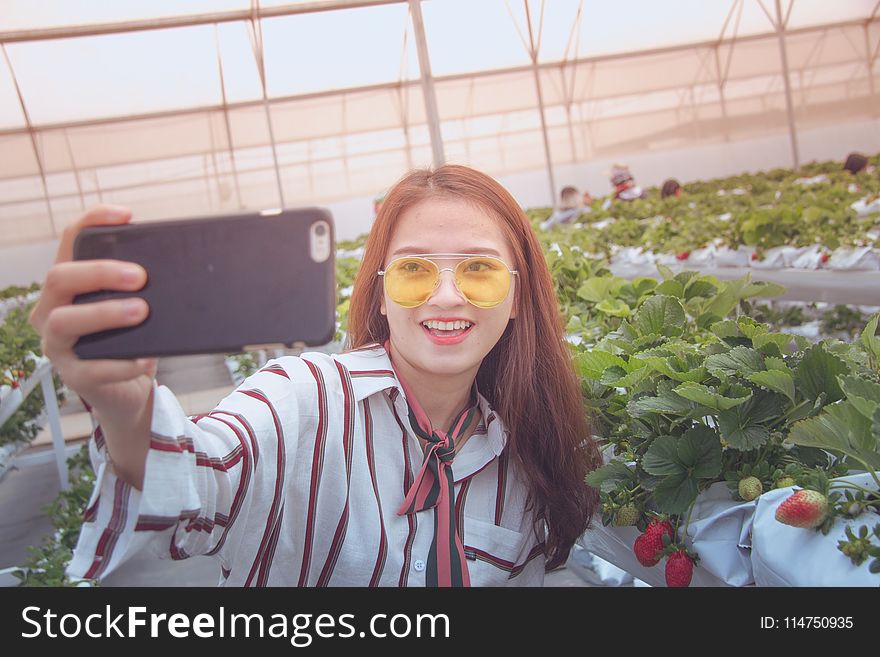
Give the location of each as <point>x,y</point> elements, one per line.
<point>447,447</point>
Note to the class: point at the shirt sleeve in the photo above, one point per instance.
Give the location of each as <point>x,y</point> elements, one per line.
<point>203,475</point>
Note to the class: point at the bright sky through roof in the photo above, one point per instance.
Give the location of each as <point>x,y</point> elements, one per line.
<point>132,73</point>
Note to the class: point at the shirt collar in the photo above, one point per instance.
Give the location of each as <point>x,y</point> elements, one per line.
<point>371,372</point>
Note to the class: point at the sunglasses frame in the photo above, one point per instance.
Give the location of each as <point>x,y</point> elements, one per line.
<point>462,257</point>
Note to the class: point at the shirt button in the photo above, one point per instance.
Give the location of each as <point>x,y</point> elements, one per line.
<point>419,565</point>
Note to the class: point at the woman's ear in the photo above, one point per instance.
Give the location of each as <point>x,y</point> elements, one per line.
<point>382,305</point>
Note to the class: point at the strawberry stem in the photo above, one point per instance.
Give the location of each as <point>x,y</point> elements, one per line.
<point>849,484</point>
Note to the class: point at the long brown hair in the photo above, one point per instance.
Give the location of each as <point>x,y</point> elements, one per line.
<point>528,377</point>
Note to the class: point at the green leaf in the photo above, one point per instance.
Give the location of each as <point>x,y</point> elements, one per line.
<point>869,337</point>
<point>671,288</point>
<point>699,288</point>
<point>665,404</point>
<point>723,303</point>
<point>742,426</point>
<point>840,428</point>
<point>750,328</point>
<point>670,366</point>
<point>665,272</point>
<point>786,342</point>
<point>864,395</point>
<point>661,459</point>
<point>674,495</point>
<point>776,364</point>
<point>762,289</point>
<point>707,449</point>
<point>818,372</point>
<point>617,377</point>
<point>708,397</point>
<point>614,307</point>
<point>597,289</point>
<point>681,463</point>
<point>608,477</point>
<point>739,360</point>
<point>642,285</point>
<point>591,364</point>
<point>726,329</point>
<point>661,315</point>
<point>775,380</point>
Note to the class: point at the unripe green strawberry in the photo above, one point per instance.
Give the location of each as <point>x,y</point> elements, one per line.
<point>679,570</point>
<point>785,482</point>
<point>750,488</point>
<point>806,508</point>
<point>626,516</point>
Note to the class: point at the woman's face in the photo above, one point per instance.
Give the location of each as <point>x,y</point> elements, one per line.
<point>447,225</point>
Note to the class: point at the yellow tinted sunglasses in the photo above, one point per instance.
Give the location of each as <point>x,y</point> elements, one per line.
<point>483,280</point>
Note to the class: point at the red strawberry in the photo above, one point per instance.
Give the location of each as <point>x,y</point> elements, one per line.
<point>648,547</point>
<point>824,257</point>
<point>684,255</point>
<point>15,384</point>
<point>806,508</point>
<point>660,527</point>
<point>679,569</point>
<point>755,255</point>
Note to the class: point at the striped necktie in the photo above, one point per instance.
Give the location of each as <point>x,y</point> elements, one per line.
<point>434,487</point>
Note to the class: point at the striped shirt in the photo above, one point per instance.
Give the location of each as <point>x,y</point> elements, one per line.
<point>295,478</point>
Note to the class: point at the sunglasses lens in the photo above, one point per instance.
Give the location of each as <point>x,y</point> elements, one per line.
<point>410,281</point>
<point>484,281</point>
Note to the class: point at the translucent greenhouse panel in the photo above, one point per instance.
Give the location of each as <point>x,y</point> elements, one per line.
<point>372,174</point>
<point>18,156</point>
<point>354,47</point>
<point>248,126</point>
<point>817,12</point>
<point>19,190</point>
<point>259,189</point>
<point>142,140</point>
<point>486,95</point>
<point>62,185</point>
<point>11,115</point>
<point>633,25</point>
<point>26,14</point>
<point>117,74</point>
<point>22,222</point>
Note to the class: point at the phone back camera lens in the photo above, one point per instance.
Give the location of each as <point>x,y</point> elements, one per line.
<point>320,230</point>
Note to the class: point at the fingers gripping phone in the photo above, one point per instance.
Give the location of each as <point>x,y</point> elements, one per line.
<point>223,284</point>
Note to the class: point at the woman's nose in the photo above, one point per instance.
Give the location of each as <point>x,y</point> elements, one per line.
<point>446,293</point>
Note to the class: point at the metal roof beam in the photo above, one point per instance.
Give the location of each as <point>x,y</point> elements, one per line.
<point>73,31</point>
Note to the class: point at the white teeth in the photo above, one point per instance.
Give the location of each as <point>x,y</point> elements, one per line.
<point>446,326</point>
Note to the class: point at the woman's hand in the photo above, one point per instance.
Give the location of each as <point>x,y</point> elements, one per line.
<point>119,391</point>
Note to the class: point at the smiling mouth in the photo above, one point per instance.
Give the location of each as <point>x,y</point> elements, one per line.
<point>447,329</point>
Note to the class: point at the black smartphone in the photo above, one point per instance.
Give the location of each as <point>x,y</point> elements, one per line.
<point>220,284</point>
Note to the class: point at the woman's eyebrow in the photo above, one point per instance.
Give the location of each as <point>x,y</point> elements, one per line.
<point>471,249</point>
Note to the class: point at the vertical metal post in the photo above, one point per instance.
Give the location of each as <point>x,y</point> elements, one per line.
<point>51,402</point>
<point>792,131</point>
<point>427,80</point>
<point>870,64</point>
<point>75,169</point>
<point>721,82</point>
<point>33,135</point>
<point>257,33</point>
<point>226,118</point>
<point>533,52</point>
